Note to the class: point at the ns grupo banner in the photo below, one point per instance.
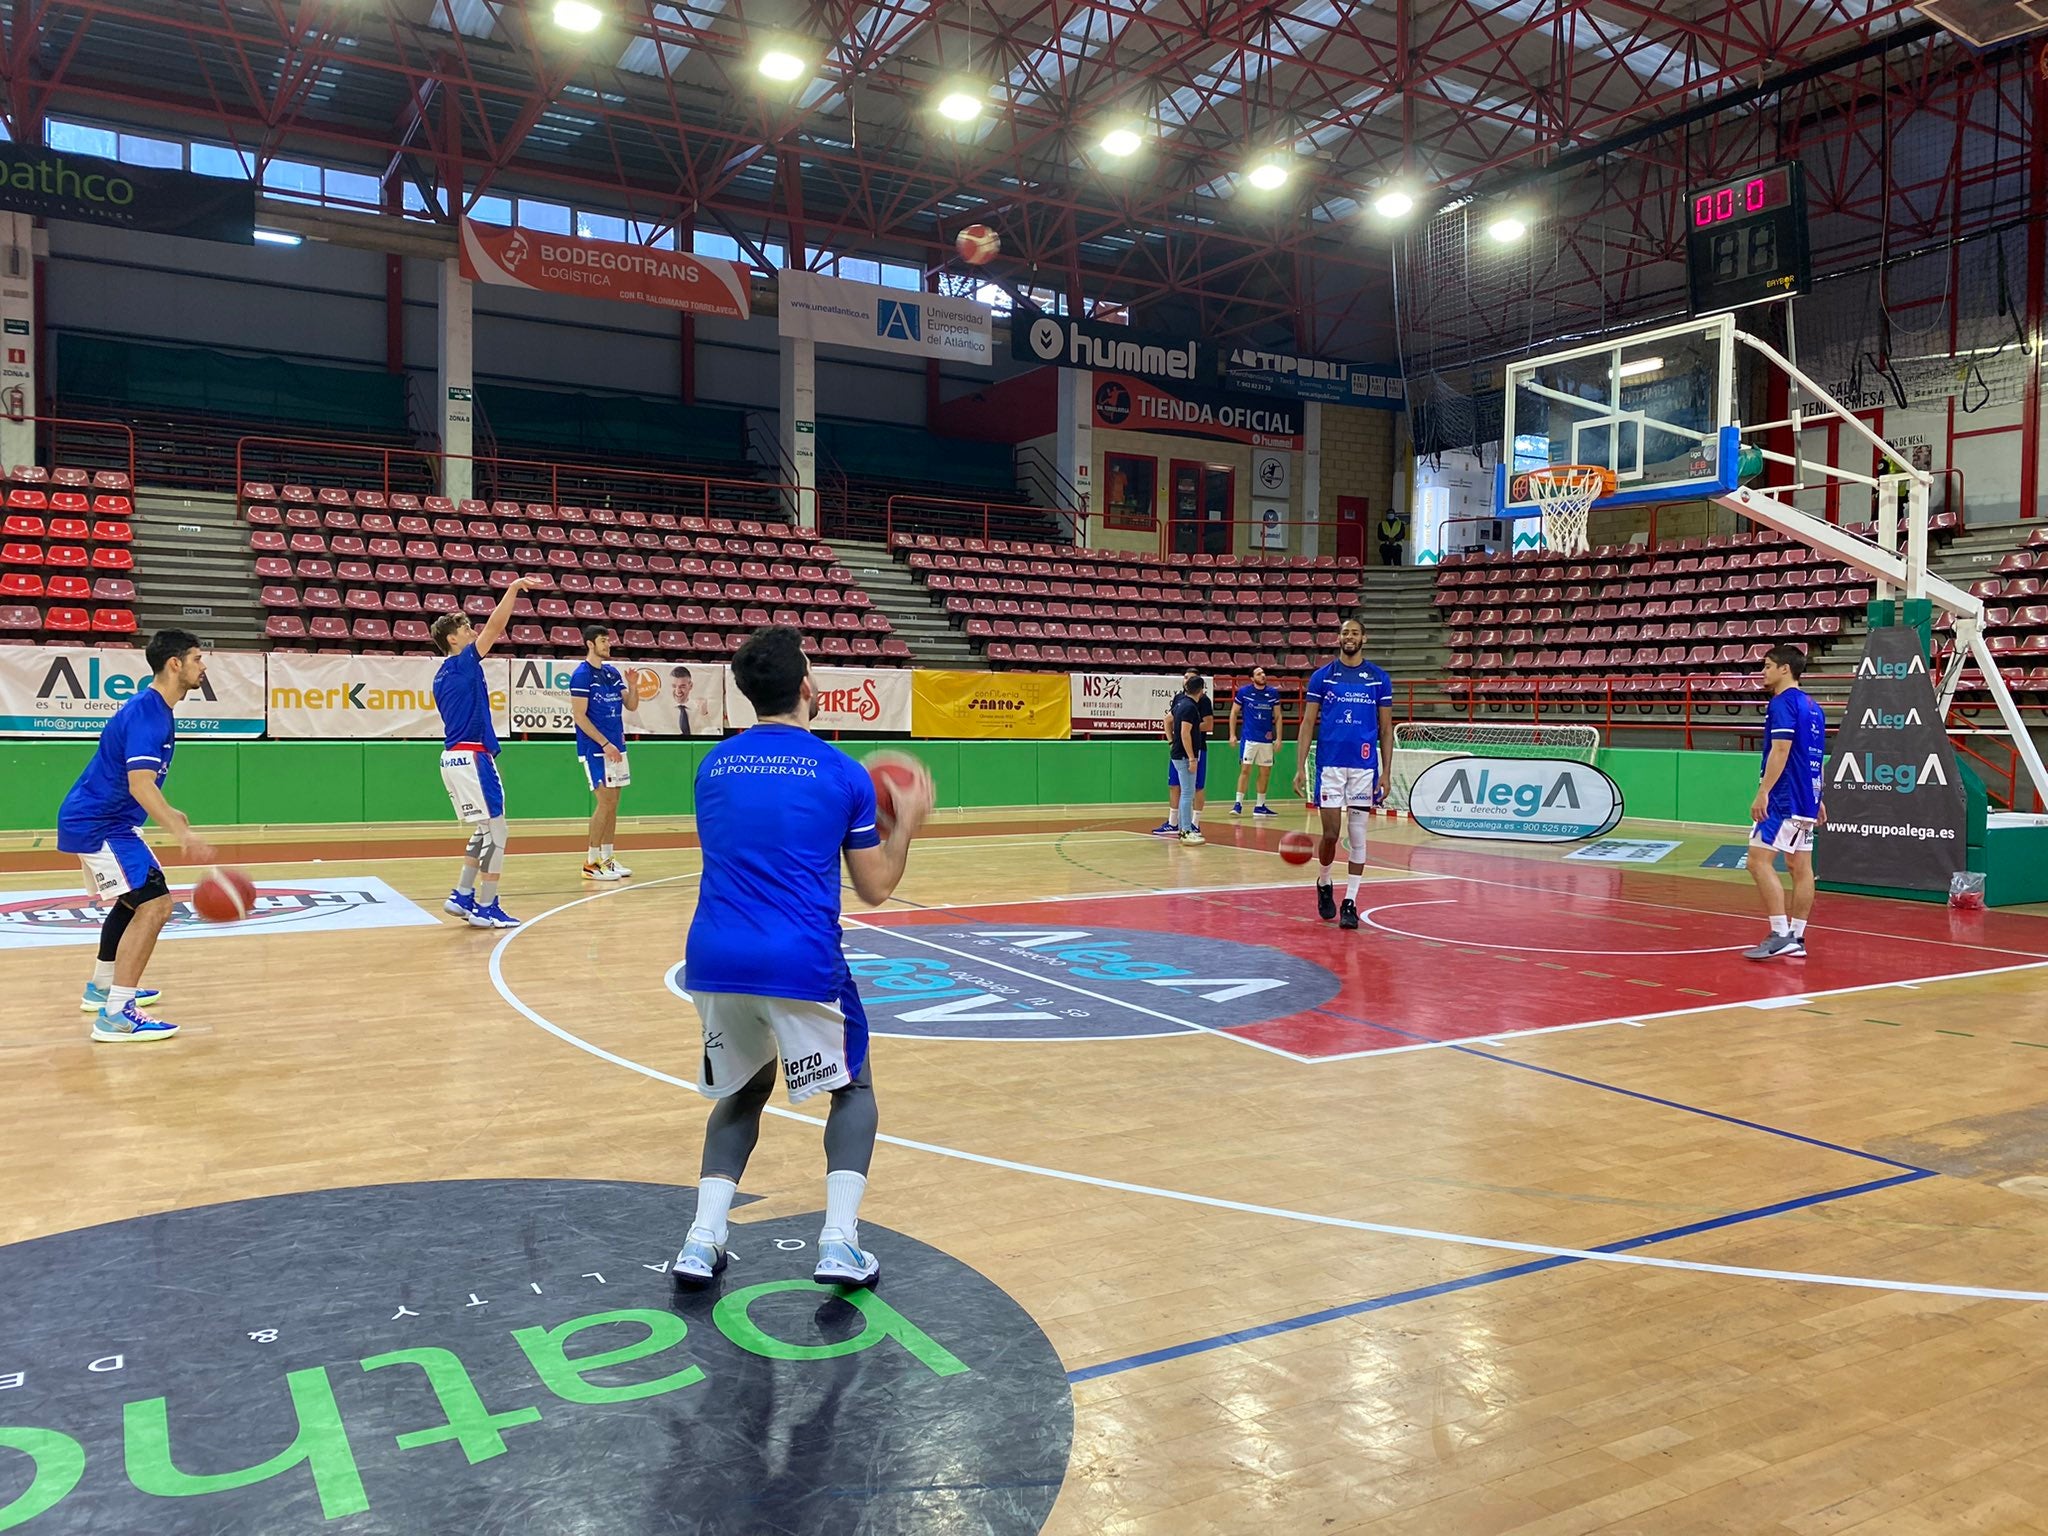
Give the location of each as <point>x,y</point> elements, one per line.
<point>990,706</point>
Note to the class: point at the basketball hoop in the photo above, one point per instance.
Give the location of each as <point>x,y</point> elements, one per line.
<point>1566,493</point>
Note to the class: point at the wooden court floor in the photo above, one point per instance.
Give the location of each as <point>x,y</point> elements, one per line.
<point>1529,1207</point>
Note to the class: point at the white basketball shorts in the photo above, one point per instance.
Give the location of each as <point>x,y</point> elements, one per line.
<point>1345,788</point>
<point>1258,754</point>
<point>1783,834</point>
<point>474,788</point>
<point>819,1047</point>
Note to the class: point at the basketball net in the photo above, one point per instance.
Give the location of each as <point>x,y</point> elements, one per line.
<point>1566,493</point>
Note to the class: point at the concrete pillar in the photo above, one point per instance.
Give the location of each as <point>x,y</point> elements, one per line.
<point>1312,477</point>
<point>799,401</point>
<point>17,333</point>
<point>1074,443</point>
<point>456,375</point>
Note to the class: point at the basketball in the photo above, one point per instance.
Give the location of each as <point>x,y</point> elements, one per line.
<point>891,773</point>
<point>1296,847</point>
<point>978,245</point>
<point>223,895</point>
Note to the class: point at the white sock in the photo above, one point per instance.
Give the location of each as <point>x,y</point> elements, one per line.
<point>103,973</point>
<point>1351,887</point>
<point>1323,873</point>
<point>1262,799</point>
<point>487,891</point>
<point>1780,925</point>
<point>119,998</point>
<point>714,1203</point>
<point>466,881</point>
<point>1798,927</point>
<point>843,1189</point>
<point>591,854</point>
<point>605,853</point>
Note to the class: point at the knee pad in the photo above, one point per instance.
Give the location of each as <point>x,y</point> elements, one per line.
<point>144,893</point>
<point>475,850</point>
<point>1354,836</point>
<point>492,857</point>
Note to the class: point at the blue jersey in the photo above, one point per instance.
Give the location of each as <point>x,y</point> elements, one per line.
<point>1794,717</point>
<point>141,735</point>
<point>1258,709</point>
<point>603,690</point>
<point>1350,700</point>
<point>775,807</point>
<point>464,699</point>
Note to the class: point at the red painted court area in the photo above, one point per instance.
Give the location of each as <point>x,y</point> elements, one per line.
<point>1468,946</point>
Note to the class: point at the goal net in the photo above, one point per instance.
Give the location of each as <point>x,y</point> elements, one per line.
<point>1418,743</point>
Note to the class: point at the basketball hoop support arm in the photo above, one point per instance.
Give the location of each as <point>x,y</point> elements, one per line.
<point>1909,574</point>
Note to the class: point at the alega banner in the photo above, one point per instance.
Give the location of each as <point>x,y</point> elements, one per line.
<point>1000,706</point>
<point>314,697</point>
<point>67,691</point>
<point>663,698</point>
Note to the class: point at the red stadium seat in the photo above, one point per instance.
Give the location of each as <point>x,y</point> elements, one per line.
<point>113,621</point>
<point>15,619</point>
<point>67,621</point>
<point>20,586</point>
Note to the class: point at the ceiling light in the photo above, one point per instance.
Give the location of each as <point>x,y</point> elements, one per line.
<point>1121,142</point>
<point>1641,366</point>
<point>279,237</point>
<point>780,64</point>
<point>960,106</point>
<point>577,16</point>
<point>1268,176</point>
<point>1393,204</point>
<point>1506,229</point>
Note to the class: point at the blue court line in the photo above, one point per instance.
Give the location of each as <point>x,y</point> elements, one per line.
<point>1647,1098</point>
<point>1469,1282</point>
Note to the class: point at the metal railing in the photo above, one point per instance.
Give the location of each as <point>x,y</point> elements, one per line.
<point>971,519</point>
<point>77,442</point>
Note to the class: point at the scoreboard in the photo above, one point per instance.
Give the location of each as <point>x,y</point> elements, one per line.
<point>1746,240</point>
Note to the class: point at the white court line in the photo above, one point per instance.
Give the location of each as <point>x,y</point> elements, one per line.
<point>1137,893</point>
<point>1281,1213</point>
<point>904,933</point>
<point>1596,954</point>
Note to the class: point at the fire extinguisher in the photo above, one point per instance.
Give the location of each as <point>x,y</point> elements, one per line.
<point>15,403</point>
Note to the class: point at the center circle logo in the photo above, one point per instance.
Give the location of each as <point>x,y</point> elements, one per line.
<point>1112,403</point>
<point>419,1354</point>
<point>1046,337</point>
<point>1010,982</point>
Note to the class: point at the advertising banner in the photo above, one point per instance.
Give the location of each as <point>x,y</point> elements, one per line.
<point>1252,372</point>
<point>1522,800</point>
<point>1074,343</point>
<point>57,185</point>
<point>922,325</point>
<point>663,698</point>
<point>358,697</point>
<point>1896,808</point>
<point>1123,703</point>
<point>1125,402</point>
<point>66,691</point>
<point>993,706</point>
<point>849,699</point>
<point>329,904</point>
<point>605,269</point>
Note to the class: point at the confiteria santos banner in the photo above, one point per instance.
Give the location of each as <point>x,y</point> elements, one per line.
<point>62,691</point>
<point>998,706</point>
<point>357,697</point>
<point>606,269</point>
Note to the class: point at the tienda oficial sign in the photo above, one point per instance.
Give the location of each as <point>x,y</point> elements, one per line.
<point>606,269</point>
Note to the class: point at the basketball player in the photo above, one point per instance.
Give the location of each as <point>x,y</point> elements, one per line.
<point>1347,710</point>
<point>101,822</point>
<point>469,767</point>
<point>597,698</point>
<point>1787,806</point>
<point>1255,707</point>
<point>777,810</point>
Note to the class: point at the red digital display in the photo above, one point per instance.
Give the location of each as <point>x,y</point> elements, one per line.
<point>1741,199</point>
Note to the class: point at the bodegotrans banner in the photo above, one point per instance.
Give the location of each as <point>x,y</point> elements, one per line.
<point>66,691</point>
<point>606,269</point>
<point>990,706</point>
<point>1897,813</point>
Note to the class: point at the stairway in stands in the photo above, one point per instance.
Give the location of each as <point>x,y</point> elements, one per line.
<point>192,569</point>
<point>919,621</point>
<point>1404,630</point>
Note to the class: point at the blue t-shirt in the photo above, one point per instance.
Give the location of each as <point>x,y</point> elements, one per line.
<point>141,734</point>
<point>603,690</point>
<point>1350,699</point>
<point>464,699</point>
<point>1258,707</point>
<point>1794,717</point>
<point>775,808</point>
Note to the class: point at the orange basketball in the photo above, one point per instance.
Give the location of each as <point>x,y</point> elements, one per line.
<point>1297,847</point>
<point>978,245</point>
<point>893,772</point>
<point>223,895</point>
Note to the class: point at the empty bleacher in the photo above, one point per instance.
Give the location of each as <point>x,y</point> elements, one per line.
<point>1037,605</point>
<point>348,570</point>
<point>67,568</point>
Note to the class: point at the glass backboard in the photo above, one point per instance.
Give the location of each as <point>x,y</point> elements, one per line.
<point>1655,407</point>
